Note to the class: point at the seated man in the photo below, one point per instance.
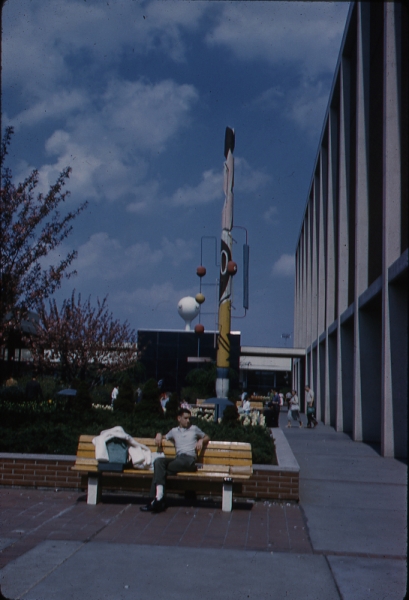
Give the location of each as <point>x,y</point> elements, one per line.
<point>188,440</point>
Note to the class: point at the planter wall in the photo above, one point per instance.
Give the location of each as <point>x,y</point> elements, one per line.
<point>48,471</point>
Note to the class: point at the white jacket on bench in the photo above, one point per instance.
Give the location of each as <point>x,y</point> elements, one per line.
<point>140,455</point>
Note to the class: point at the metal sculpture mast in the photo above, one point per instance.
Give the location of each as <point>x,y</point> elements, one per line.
<point>227,269</point>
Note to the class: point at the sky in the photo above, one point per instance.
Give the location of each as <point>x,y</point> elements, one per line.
<point>135,98</point>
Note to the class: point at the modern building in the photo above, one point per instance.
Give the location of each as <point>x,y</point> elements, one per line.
<point>351,288</point>
<point>169,354</point>
<point>262,369</point>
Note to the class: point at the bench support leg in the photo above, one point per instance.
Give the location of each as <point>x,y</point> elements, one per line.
<point>227,500</point>
<point>94,489</point>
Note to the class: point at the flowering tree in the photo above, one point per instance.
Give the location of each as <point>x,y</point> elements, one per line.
<point>79,338</point>
<point>31,226</point>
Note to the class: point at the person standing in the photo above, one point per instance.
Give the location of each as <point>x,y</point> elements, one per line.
<point>114,395</point>
<point>287,400</point>
<point>275,406</point>
<point>310,402</point>
<point>294,411</point>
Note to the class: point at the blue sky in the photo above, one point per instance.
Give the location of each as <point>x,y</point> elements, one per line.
<point>135,97</point>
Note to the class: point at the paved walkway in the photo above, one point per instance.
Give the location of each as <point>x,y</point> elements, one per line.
<point>345,540</point>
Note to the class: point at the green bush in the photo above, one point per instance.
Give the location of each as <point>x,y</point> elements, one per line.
<point>200,383</point>
<point>172,406</point>
<point>150,405</point>
<point>53,427</point>
<point>13,394</point>
<point>125,401</point>
<point>231,416</point>
<point>82,401</point>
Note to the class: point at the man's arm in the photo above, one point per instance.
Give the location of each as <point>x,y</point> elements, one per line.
<point>202,442</point>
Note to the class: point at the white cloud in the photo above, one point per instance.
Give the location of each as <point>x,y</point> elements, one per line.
<point>56,105</point>
<point>269,214</point>
<point>157,294</point>
<point>148,114</point>
<point>108,145</point>
<point>177,251</point>
<point>284,266</point>
<point>304,104</point>
<point>91,29</point>
<point>248,179</point>
<point>210,188</point>
<point>105,258</point>
<point>282,32</point>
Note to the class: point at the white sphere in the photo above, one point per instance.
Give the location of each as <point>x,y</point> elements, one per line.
<point>188,309</point>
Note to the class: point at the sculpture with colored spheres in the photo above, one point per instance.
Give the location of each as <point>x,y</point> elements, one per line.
<point>231,267</point>
<point>188,309</point>
<point>201,271</point>
<point>200,298</point>
<point>199,329</point>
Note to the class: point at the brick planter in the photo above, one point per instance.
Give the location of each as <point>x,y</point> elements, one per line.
<point>47,471</point>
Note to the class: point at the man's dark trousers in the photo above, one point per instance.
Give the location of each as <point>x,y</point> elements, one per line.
<point>170,466</point>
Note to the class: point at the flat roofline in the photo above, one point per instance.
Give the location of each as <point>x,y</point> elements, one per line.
<point>185,331</point>
<point>264,351</point>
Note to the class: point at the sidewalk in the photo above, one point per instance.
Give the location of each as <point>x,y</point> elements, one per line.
<point>345,540</point>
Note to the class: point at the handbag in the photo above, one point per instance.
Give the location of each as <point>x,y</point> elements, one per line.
<point>310,410</point>
<point>118,456</point>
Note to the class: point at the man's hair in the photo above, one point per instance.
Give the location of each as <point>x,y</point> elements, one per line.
<point>182,411</point>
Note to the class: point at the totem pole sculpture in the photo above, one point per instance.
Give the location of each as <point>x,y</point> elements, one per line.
<point>228,268</point>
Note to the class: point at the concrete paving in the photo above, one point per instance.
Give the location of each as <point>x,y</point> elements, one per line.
<point>346,539</point>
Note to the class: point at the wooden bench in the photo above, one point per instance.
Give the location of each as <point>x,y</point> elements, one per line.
<point>254,404</point>
<point>222,462</point>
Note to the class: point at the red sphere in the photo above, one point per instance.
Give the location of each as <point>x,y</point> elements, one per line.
<point>231,267</point>
<point>199,329</point>
<point>201,271</point>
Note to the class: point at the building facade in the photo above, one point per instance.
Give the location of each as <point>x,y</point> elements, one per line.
<point>169,355</point>
<point>351,287</point>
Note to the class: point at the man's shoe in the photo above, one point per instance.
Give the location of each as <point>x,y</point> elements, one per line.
<point>155,506</point>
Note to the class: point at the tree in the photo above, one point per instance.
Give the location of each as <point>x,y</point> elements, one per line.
<point>31,227</point>
<point>81,338</point>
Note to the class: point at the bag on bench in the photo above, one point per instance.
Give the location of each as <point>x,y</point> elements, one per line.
<point>118,456</point>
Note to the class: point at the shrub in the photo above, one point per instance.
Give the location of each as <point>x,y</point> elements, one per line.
<point>150,404</point>
<point>82,401</point>
<point>125,401</point>
<point>12,394</point>
<point>231,416</point>
<point>172,406</point>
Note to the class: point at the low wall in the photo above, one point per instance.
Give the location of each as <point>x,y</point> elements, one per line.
<point>268,482</point>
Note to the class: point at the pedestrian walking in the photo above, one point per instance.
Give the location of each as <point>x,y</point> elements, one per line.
<point>294,411</point>
<point>310,403</point>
